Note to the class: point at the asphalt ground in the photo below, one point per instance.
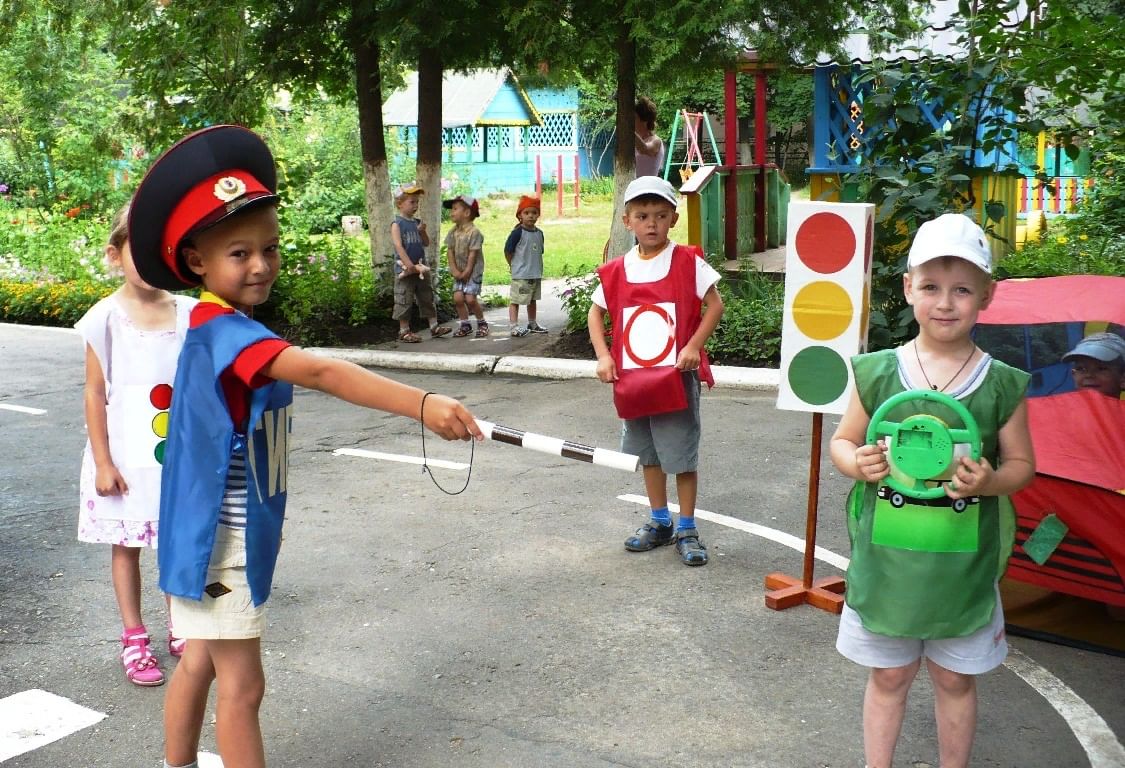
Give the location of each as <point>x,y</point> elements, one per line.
<point>506,626</point>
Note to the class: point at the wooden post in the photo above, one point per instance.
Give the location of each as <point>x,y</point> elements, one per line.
<point>576,187</point>
<point>760,161</point>
<point>826,593</point>
<point>559,188</point>
<point>730,118</point>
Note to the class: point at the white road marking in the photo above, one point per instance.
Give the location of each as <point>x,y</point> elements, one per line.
<point>1102,746</point>
<point>22,409</point>
<point>441,463</point>
<point>774,535</point>
<point>34,718</point>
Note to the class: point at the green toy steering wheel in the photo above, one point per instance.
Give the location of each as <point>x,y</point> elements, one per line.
<point>922,445</point>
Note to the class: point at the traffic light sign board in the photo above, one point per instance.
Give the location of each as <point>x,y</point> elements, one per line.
<point>827,303</point>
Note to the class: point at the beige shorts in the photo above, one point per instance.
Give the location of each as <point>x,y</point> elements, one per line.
<point>525,291</point>
<point>226,611</point>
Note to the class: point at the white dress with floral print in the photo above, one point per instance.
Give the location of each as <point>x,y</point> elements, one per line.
<point>139,367</point>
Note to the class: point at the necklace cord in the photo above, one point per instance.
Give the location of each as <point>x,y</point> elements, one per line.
<point>426,467</point>
<point>931,385</point>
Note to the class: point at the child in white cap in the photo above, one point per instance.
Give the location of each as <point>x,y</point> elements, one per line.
<point>908,599</point>
<point>1098,363</point>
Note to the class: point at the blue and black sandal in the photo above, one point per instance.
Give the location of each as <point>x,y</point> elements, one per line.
<point>691,549</point>
<point>650,536</point>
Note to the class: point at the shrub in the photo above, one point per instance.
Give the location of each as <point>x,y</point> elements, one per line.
<point>750,331</point>
<point>43,303</point>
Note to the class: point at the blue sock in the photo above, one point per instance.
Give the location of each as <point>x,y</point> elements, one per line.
<point>685,522</point>
<point>662,516</point>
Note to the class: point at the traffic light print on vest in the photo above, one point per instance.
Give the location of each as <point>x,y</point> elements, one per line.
<point>912,510</point>
<point>161,398</point>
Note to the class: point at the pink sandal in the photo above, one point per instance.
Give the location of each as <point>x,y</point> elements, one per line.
<point>141,667</point>
<point>176,645</point>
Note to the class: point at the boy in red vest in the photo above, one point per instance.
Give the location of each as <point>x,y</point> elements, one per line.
<point>663,306</point>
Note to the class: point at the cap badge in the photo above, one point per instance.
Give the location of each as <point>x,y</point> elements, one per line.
<point>229,188</point>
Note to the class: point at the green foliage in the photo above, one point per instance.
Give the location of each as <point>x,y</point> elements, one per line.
<point>750,331</point>
<point>325,282</point>
<point>576,300</point>
<point>58,304</point>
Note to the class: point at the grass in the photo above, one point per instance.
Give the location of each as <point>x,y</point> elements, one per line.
<point>572,242</point>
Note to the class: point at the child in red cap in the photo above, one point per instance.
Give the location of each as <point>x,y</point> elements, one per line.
<point>524,252</point>
<point>464,247</point>
<point>206,215</point>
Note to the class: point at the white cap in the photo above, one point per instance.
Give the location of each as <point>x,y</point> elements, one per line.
<point>651,185</point>
<point>951,234</point>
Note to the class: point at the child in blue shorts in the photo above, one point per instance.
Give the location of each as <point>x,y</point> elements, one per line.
<point>942,602</point>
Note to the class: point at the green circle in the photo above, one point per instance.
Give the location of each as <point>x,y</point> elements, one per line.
<point>158,452</point>
<point>818,375</point>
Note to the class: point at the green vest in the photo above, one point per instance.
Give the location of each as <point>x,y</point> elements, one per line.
<point>938,585</point>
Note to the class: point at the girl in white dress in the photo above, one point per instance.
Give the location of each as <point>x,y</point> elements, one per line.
<point>133,339</point>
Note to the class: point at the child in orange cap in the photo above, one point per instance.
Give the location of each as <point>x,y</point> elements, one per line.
<point>524,252</point>
<point>206,215</point>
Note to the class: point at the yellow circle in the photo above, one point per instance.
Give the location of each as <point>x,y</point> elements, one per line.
<point>160,424</point>
<point>822,310</point>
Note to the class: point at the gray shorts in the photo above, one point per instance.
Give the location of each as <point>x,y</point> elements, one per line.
<point>670,440</point>
<point>467,287</point>
<point>525,291</point>
<point>410,289</point>
<point>972,654</point>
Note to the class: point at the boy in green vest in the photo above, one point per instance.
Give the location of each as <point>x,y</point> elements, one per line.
<point>907,600</point>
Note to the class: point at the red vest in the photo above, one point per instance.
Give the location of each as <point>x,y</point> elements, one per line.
<point>648,382</point>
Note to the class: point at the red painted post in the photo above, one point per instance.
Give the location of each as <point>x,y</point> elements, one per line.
<point>538,178</point>
<point>760,160</point>
<point>559,189</point>
<point>730,197</point>
<point>576,181</point>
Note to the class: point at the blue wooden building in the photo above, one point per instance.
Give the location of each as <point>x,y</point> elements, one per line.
<point>493,129</point>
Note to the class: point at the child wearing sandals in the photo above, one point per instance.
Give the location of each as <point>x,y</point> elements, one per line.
<point>412,273</point>
<point>133,339</point>
<point>463,248</point>
<point>206,215</point>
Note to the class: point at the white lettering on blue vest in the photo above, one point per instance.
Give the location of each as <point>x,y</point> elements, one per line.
<point>275,424</point>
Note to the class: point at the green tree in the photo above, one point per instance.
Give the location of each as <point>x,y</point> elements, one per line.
<point>63,113</point>
<point>985,99</point>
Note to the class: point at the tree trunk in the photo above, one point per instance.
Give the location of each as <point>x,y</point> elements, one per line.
<point>429,147</point>
<point>373,147</point>
<point>624,157</point>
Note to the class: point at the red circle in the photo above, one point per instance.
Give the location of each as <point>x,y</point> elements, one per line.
<point>649,362</point>
<point>825,242</point>
<point>161,396</point>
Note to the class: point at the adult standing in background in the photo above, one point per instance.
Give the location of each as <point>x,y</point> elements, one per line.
<point>649,146</point>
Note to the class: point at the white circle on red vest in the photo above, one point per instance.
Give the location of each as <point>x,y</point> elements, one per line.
<point>649,337</point>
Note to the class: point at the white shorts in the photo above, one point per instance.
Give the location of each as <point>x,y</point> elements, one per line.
<point>973,654</point>
<point>226,611</point>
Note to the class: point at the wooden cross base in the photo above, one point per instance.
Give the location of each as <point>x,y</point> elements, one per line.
<point>826,593</point>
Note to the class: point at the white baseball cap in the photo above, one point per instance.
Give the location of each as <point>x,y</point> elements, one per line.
<point>951,234</point>
<point>651,185</point>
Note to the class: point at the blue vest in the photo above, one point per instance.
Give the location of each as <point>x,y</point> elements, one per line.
<point>201,441</point>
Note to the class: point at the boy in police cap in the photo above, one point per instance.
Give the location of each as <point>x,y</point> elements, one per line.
<point>206,215</point>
